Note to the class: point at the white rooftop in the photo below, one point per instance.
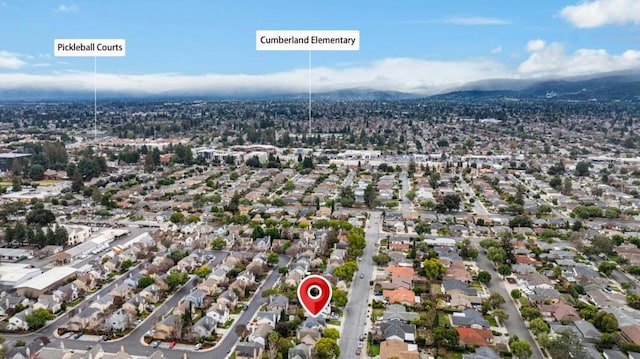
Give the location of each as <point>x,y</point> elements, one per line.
<point>48,278</point>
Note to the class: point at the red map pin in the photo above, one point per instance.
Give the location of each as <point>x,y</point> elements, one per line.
<point>314,293</point>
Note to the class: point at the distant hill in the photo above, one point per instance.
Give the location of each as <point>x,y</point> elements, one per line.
<point>606,88</point>
<point>622,86</point>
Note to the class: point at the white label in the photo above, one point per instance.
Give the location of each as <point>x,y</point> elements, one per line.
<point>89,47</point>
<point>308,40</point>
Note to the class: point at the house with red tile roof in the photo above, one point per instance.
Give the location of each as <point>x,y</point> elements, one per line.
<point>631,333</point>
<point>474,337</point>
<point>400,271</point>
<point>401,296</point>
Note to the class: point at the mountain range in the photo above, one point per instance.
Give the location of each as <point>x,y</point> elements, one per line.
<point>622,86</point>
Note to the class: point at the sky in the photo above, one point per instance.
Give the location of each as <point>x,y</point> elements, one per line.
<point>420,46</point>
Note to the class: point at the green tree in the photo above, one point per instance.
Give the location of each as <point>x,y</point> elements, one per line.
<point>327,348</point>
<point>451,202</point>
<point>149,166</point>
<point>423,228</point>
<point>177,217</point>
<point>381,259</point>
<point>36,172</point>
<point>520,221</point>
<point>218,244</point>
<point>496,300</point>
<point>605,322</point>
<point>434,269</point>
<point>346,271</point>
<point>607,267</point>
<point>484,277</point>
<point>41,217</point>
<point>356,240</point>
<point>202,271</point>
<point>582,168</point>
<point>516,293</point>
<point>331,333</point>
<point>369,195</point>
<point>521,349</point>
<point>500,314</point>
<point>565,345</point>
<point>601,244</point>
<point>283,345</point>
<point>193,219</point>
<point>504,270</point>
<point>445,337</point>
<point>145,281</point>
<point>126,264</point>
<point>258,232</point>
<point>496,254</point>
<point>339,297</point>
<point>175,279</point>
<point>273,259</point>
<point>16,183</point>
<point>38,318</point>
<point>538,326</point>
<point>529,313</point>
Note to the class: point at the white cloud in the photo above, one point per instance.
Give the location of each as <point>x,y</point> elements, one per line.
<point>476,20</point>
<point>399,74</point>
<point>589,14</point>
<point>553,60</point>
<point>10,60</point>
<point>535,45</point>
<point>42,64</point>
<point>496,50</point>
<point>463,20</point>
<point>67,8</point>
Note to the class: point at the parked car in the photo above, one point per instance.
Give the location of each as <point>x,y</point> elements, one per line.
<point>78,335</point>
<point>358,351</point>
<point>156,344</point>
<point>198,346</point>
<point>361,275</point>
<point>172,345</point>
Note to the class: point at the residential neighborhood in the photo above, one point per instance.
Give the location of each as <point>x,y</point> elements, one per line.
<point>438,239</point>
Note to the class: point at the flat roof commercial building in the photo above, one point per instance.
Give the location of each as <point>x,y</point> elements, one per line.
<point>46,281</point>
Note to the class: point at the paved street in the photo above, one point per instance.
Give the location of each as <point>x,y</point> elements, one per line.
<point>515,324</point>
<point>478,206</point>
<point>405,203</point>
<point>355,316</point>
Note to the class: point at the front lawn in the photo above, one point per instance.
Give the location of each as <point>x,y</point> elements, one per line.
<point>373,349</point>
<point>227,324</point>
<point>492,321</point>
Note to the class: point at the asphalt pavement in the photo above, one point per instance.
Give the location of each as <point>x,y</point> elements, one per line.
<point>405,203</point>
<point>355,313</point>
<point>515,324</point>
